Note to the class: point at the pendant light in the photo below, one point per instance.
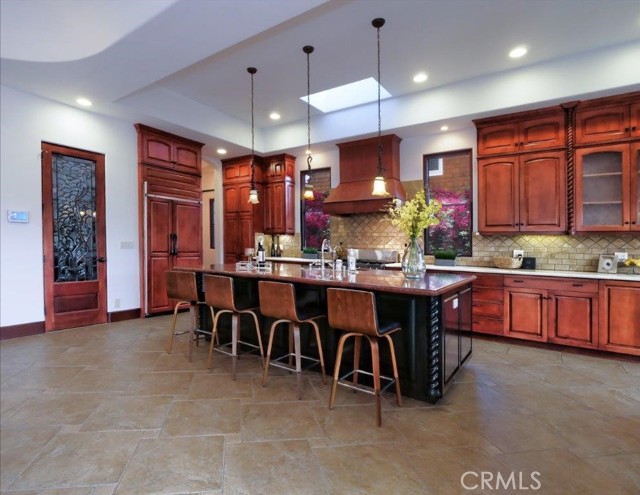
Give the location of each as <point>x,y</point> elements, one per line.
<point>308,187</point>
<point>379,183</point>
<point>253,193</point>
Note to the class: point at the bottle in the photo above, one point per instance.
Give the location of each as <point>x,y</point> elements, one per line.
<point>278,248</point>
<point>273,247</point>
<point>351,260</point>
<point>260,255</point>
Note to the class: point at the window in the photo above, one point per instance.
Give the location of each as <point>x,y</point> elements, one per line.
<point>314,223</point>
<point>447,178</point>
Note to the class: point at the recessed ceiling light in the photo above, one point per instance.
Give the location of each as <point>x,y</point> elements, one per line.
<point>274,116</point>
<point>347,95</point>
<point>518,52</point>
<point>420,77</point>
<point>444,128</point>
<point>221,151</point>
<point>85,102</point>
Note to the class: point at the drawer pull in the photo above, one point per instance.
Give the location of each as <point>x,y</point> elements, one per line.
<point>577,285</point>
<point>518,281</point>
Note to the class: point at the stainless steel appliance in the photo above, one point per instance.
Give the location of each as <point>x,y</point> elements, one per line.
<point>375,259</point>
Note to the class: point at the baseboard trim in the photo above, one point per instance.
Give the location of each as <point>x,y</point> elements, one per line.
<point>127,314</point>
<point>22,330</point>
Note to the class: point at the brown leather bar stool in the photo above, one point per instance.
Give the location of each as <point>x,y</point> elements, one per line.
<point>278,300</point>
<point>182,286</point>
<point>354,311</point>
<point>219,293</point>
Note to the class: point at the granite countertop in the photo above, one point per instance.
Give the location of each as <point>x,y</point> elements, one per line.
<point>534,273</point>
<point>432,284</point>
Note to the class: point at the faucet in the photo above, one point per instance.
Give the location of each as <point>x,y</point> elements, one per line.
<point>326,245</point>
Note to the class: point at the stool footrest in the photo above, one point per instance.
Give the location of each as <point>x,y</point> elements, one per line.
<point>286,366</point>
<point>221,348</point>
<point>364,388</point>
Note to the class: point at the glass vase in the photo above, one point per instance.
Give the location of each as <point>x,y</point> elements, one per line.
<point>413,260</point>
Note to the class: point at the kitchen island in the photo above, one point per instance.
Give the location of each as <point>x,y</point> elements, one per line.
<point>434,312</point>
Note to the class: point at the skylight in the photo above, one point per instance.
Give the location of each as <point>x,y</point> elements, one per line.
<point>348,95</point>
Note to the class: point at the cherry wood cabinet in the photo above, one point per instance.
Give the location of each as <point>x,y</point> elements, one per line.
<point>562,311</point>
<point>488,304</point>
<point>605,121</point>
<point>522,132</point>
<point>162,149</point>
<point>620,317</point>
<point>522,193</point>
<point>607,188</point>
<point>279,207</point>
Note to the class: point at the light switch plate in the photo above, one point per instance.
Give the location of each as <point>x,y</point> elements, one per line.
<point>518,252</point>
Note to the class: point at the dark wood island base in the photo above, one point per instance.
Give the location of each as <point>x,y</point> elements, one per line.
<point>435,314</point>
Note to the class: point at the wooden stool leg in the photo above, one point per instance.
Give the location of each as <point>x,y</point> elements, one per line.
<point>395,369</point>
<point>255,319</point>
<point>172,328</point>
<point>214,335</point>
<point>317,331</point>
<point>357,345</point>
<point>269,346</point>
<point>336,369</point>
<point>375,361</point>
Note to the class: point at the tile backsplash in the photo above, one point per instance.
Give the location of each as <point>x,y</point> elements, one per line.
<point>552,252</point>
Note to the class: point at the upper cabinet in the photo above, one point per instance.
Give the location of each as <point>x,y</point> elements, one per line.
<point>521,133</point>
<point>607,188</point>
<point>279,207</point>
<point>522,193</point>
<point>279,167</point>
<point>598,122</point>
<point>161,149</point>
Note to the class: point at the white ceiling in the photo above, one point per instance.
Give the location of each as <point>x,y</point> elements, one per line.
<point>180,65</point>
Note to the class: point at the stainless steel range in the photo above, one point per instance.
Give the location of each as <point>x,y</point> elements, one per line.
<point>375,259</point>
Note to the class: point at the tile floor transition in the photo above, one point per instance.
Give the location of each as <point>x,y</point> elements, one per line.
<point>104,410</point>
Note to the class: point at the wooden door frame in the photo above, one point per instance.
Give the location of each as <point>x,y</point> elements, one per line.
<point>101,316</point>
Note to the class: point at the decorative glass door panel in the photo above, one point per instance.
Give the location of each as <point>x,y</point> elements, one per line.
<point>74,219</point>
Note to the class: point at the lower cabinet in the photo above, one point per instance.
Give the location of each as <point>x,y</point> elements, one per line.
<point>620,317</point>
<point>488,304</point>
<point>551,310</point>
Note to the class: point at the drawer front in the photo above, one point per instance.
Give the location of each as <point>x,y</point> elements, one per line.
<point>482,294</point>
<point>488,280</point>
<point>481,308</point>
<point>571,284</point>
<point>487,325</point>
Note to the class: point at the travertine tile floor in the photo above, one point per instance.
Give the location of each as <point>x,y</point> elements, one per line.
<point>104,410</point>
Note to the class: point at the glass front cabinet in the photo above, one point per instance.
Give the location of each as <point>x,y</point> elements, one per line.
<point>607,188</point>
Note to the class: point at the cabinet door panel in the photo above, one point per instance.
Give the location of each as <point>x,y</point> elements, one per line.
<point>231,199</point>
<point>491,326</point>
<point>188,227</point>
<point>497,194</point>
<point>573,319</point>
<point>156,151</point>
<point>526,314</point>
<point>620,322</point>
<point>187,159</point>
<point>602,124</point>
<point>497,139</point>
<point>634,183</point>
<point>231,229</point>
<point>543,192</point>
<point>602,194</point>
<point>543,133</point>
<point>634,117</point>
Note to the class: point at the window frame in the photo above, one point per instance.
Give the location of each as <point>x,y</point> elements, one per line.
<point>426,174</point>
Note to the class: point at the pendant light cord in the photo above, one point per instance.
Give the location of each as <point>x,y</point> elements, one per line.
<point>252,71</point>
<point>308,50</point>
<point>378,26</point>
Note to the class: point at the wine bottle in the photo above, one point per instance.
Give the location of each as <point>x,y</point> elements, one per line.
<point>260,255</point>
<point>273,247</point>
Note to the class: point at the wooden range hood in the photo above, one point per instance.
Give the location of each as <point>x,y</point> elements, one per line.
<point>358,168</point>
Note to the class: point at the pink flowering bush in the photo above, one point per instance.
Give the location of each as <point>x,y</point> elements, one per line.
<point>454,230</point>
<point>316,223</point>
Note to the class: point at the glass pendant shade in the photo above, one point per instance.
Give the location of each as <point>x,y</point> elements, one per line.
<point>253,196</point>
<point>308,192</point>
<point>379,186</point>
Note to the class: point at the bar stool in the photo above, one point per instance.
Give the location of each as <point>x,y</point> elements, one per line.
<point>219,293</point>
<point>182,286</point>
<point>354,311</point>
<point>278,300</point>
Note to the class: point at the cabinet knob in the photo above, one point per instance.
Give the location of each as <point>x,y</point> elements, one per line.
<point>626,223</point>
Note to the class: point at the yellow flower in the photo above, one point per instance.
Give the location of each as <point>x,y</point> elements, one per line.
<point>415,215</point>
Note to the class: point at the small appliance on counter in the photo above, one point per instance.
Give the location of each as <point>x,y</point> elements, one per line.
<point>528,263</point>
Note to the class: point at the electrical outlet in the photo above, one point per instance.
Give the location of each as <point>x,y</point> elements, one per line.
<point>116,303</point>
<point>518,252</point>
<point>621,256</point>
